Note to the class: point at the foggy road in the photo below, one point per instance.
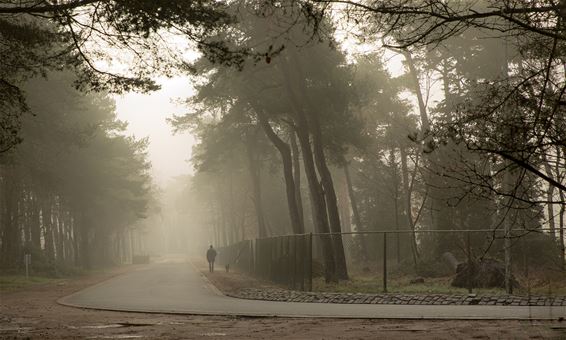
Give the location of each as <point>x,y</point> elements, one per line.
<point>180,288</point>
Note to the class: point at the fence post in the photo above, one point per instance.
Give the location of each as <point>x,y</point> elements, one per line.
<point>257,258</point>
<point>526,269</point>
<point>295,273</point>
<point>275,249</point>
<point>508,259</point>
<point>385,262</point>
<point>251,258</point>
<point>470,272</point>
<point>301,255</point>
<point>309,264</point>
<point>27,260</point>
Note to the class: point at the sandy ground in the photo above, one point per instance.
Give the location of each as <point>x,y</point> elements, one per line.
<point>33,313</point>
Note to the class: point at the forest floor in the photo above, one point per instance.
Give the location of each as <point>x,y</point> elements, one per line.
<point>31,312</point>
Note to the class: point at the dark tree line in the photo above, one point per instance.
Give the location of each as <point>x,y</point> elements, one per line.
<point>285,114</point>
<point>72,189</point>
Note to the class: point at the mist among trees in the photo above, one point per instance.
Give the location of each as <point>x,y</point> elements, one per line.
<point>304,125</point>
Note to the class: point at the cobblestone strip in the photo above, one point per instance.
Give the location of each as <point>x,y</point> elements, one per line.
<point>397,299</point>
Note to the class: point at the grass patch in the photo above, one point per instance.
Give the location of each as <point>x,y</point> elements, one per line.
<point>15,282</point>
<point>544,284</point>
<point>399,283</point>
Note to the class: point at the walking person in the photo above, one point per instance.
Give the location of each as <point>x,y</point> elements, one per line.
<point>211,256</point>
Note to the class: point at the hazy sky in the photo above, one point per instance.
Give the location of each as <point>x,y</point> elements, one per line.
<point>146,115</point>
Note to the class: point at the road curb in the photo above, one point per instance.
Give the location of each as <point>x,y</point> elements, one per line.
<point>210,285</point>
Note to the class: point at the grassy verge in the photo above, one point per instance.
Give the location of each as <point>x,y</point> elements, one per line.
<point>402,284</point>
<point>16,282</point>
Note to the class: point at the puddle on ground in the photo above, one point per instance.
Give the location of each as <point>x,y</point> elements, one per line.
<point>114,325</point>
<point>138,324</point>
<point>96,326</point>
<point>15,329</point>
<point>213,334</point>
<point>116,336</point>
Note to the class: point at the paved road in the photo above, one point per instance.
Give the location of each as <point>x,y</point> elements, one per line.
<point>179,288</point>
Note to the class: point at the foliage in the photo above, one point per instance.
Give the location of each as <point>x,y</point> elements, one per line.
<point>75,177</point>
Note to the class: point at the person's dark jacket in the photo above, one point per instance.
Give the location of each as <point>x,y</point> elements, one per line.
<point>211,255</point>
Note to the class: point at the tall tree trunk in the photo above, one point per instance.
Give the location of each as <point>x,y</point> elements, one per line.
<point>255,175</point>
<point>439,219</point>
<point>319,205</point>
<point>331,200</point>
<point>69,250</point>
<point>414,74</point>
<point>60,240</point>
<point>395,179</point>
<point>408,205</point>
<point>234,227</point>
<point>26,210</point>
<point>561,241</point>
<point>11,241</point>
<point>351,199</point>
<point>85,240</point>
<point>77,238</point>
<point>297,178</point>
<point>35,227</point>
<point>285,152</point>
<point>509,185</point>
<point>320,217</point>
<point>344,202</point>
<point>550,197</point>
<point>223,220</point>
<point>3,212</point>
<point>47,223</point>
<point>560,163</point>
<point>311,123</point>
<point>355,211</point>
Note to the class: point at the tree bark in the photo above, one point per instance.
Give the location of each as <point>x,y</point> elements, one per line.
<point>85,231</point>
<point>255,175</point>
<point>425,124</point>
<point>47,223</point>
<point>562,246</point>
<point>35,227</point>
<point>331,200</point>
<point>312,123</point>
<point>285,152</point>
<point>11,242</point>
<point>297,178</point>
<point>316,193</point>
<point>409,205</point>
<point>550,198</point>
<point>395,180</point>
<point>355,211</point>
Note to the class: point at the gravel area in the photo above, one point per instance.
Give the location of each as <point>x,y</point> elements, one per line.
<point>274,294</point>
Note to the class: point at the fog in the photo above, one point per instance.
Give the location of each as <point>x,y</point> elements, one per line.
<point>146,116</point>
<point>310,145</point>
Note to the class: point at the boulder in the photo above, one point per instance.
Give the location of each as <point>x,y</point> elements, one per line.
<point>486,273</point>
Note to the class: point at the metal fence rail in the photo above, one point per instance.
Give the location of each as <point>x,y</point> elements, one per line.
<point>397,261</point>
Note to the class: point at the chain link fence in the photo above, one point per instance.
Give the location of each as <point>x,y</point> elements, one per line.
<point>285,260</point>
<point>431,261</point>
